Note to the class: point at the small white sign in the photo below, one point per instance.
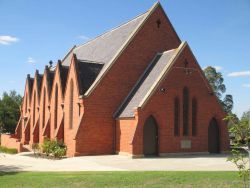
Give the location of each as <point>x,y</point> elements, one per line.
<point>186,144</point>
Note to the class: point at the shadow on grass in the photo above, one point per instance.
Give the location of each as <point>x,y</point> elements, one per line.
<point>9,170</point>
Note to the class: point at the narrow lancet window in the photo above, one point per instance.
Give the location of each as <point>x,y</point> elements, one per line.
<point>194,116</point>
<point>185,111</point>
<point>71,108</point>
<point>176,116</point>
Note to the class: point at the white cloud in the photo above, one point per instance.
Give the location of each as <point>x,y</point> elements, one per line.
<point>83,37</point>
<point>246,85</point>
<point>238,74</point>
<point>31,60</point>
<point>5,39</point>
<point>218,68</point>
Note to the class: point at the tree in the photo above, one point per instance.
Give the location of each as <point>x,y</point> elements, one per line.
<point>228,103</point>
<point>241,131</point>
<point>9,111</point>
<point>216,81</point>
<point>246,115</point>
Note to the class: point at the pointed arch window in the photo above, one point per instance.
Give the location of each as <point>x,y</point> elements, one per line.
<point>176,116</point>
<point>185,111</point>
<point>194,116</point>
<point>34,109</point>
<point>71,108</point>
<point>56,107</point>
<point>44,108</point>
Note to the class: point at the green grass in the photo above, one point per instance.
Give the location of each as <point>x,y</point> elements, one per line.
<point>8,150</point>
<point>120,179</point>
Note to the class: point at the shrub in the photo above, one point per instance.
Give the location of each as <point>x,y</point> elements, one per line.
<point>36,148</point>
<point>8,150</point>
<point>59,152</point>
<point>54,148</point>
<point>46,146</point>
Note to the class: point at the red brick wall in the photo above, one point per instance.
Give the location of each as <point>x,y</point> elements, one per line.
<point>97,130</point>
<point>161,106</point>
<point>25,114</point>
<point>44,103</point>
<point>10,141</point>
<point>56,82</point>
<point>34,137</point>
<point>125,131</point>
<point>69,134</point>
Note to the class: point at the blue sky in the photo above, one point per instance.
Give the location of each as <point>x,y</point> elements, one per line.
<point>34,32</point>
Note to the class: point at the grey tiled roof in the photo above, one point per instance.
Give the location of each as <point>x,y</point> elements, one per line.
<point>50,78</point>
<point>30,84</point>
<point>149,77</point>
<point>39,83</point>
<point>63,76</point>
<point>104,47</point>
<point>87,73</point>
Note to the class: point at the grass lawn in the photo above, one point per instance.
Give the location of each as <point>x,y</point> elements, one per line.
<point>120,179</point>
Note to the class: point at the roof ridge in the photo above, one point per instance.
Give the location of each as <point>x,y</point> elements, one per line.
<point>71,49</point>
<point>111,30</point>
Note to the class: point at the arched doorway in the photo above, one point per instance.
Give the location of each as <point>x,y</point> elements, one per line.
<point>213,137</point>
<point>150,137</point>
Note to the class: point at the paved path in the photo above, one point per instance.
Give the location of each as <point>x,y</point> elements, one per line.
<point>24,162</point>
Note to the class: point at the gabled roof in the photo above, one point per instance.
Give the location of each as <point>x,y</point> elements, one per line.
<point>148,82</point>
<point>38,78</point>
<point>30,82</point>
<point>104,47</point>
<point>86,73</point>
<point>63,72</point>
<point>50,78</point>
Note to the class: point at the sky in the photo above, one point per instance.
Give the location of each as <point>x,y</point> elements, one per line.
<point>34,32</point>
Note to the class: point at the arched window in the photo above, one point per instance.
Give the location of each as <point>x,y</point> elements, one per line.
<point>34,109</point>
<point>185,111</point>
<point>56,107</point>
<point>44,108</point>
<point>176,116</point>
<point>194,116</point>
<point>71,108</point>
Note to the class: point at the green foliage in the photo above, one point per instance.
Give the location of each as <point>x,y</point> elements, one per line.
<point>46,146</point>
<point>36,148</point>
<point>8,150</point>
<point>54,148</point>
<point>241,142</point>
<point>228,103</point>
<point>9,111</point>
<point>58,151</point>
<point>246,115</point>
<point>216,81</point>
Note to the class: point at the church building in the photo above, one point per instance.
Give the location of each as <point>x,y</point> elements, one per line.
<point>136,90</point>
